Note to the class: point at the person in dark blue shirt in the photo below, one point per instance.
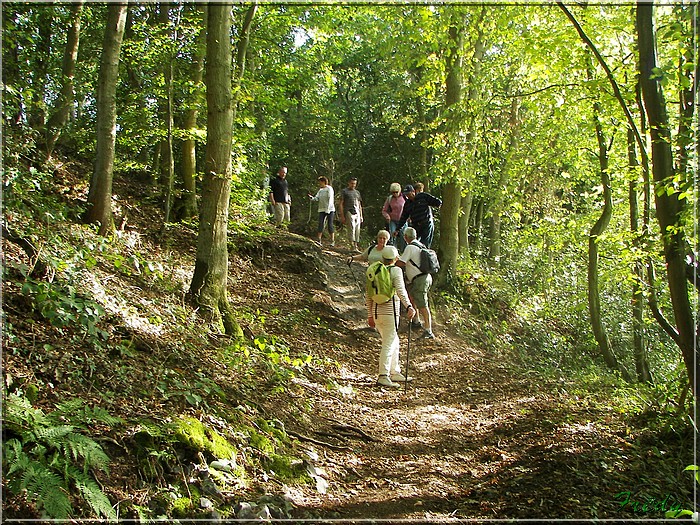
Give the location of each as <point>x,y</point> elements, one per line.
<point>418,210</point>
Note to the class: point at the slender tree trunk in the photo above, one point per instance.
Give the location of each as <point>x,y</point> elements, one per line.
<point>501,186</point>
<point>479,226</point>
<point>66,98</point>
<point>99,209</point>
<point>599,227</point>
<point>668,206</point>
<point>42,56</point>
<point>189,145</point>
<point>641,360</point>
<point>452,191</point>
<point>464,221</point>
<point>167,168</point>
<point>473,96</point>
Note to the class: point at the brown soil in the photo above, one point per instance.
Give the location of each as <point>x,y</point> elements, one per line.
<point>475,435</point>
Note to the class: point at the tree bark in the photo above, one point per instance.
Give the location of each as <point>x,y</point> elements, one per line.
<point>36,113</point>
<point>499,194</point>
<point>452,193</point>
<point>208,286</point>
<point>167,167</point>
<point>100,196</point>
<point>189,145</point>
<point>66,98</point>
<point>473,95</point>
<point>599,227</point>
<point>668,206</point>
<point>641,360</point>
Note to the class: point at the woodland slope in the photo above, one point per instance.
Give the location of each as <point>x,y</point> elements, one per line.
<point>477,434</point>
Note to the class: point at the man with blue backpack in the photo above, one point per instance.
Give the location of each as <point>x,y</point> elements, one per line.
<point>420,264</point>
<point>385,294</point>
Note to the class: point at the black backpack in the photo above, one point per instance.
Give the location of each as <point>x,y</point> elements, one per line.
<point>429,262</point>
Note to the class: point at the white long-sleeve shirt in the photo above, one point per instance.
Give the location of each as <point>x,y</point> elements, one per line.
<point>325,197</point>
<point>401,295</point>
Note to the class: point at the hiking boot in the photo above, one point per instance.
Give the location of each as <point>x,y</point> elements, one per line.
<point>385,381</point>
<point>427,335</point>
<point>400,378</point>
<point>416,324</point>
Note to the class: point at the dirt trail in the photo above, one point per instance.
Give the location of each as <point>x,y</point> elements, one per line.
<point>470,438</point>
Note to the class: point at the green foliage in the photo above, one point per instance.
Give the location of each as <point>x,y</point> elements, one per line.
<point>197,393</point>
<point>267,359</point>
<point>62,306</point>
<point>50,460</point>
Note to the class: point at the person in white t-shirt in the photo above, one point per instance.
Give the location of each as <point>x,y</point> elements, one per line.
<point>418,283</point>
<point>373,252</point>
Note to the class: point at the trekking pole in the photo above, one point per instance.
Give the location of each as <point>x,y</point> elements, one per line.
<point>408,351</point>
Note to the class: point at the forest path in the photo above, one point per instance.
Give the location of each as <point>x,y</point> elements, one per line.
<point>469,438</point>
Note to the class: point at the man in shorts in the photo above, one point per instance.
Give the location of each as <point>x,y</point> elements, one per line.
<point>418,283</point>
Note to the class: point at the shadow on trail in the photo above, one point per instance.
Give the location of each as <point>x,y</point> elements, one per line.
<point>472,438</point>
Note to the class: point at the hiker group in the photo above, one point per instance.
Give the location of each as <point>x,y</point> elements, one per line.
<point>401,261</point>
<point>400,274</point>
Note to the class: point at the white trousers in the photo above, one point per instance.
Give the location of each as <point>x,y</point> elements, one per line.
<point>389,355</point>
<point>353,223</point>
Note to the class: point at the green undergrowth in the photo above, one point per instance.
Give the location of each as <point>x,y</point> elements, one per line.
<point>534,335</point>
<point>52,458</point>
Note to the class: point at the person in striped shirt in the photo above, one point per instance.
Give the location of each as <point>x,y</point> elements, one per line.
<point>384,318</point>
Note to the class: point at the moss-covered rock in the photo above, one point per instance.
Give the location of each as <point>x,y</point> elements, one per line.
<point>195,434</point>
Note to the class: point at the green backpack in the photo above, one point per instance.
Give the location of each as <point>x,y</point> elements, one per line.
<point>379,285</point>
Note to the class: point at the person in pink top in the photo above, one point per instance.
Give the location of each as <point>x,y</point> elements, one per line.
<point>392,210</point>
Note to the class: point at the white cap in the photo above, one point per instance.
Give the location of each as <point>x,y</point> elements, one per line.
<point>390,253</point>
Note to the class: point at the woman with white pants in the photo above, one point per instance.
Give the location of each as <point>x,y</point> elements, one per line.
<point>384,318</point>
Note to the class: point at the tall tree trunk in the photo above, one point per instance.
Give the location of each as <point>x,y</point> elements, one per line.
<point>208,286</point>
<point>167,159</point>
<point>66,98</point>
<point>599,227</point>
<point>668,206</point>
<point>189,145</point>
<point>100,196</point>
<point>452,193</point>
<point>499,195</point>
<point>42,56</point>
<point>473,95</point>
<point>13,107</point>
<point>641,360</point>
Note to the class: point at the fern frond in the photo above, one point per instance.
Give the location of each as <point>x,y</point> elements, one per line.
<point>52,437</point>
<point>50,457</point>
<point>47,489</point>
<point>80,446</point>
<point>78,414</point>
<point>18,414</point>
<point>14,460</point>
<point>93,495</point>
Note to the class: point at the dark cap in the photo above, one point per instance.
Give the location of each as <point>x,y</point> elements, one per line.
<point>408,189</point>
